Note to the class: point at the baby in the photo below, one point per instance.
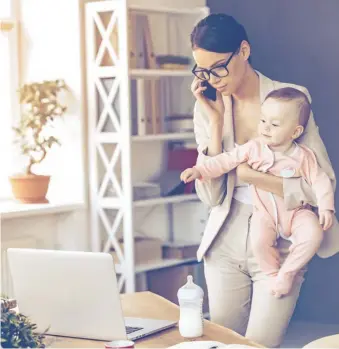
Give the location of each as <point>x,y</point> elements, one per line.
<point>284,116</point>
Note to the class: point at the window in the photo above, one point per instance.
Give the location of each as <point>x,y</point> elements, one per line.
<point>37,64</point>
<point>9,82</point>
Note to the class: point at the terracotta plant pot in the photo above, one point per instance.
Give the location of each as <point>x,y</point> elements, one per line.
<point>30,189</point>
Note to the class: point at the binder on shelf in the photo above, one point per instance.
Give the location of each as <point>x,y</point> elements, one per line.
<point>141,108</point>
<point>150,56</point>
<point>132,40</point>
<point>156,111</point>
<point>149,107</point>
<point>139,42</point>
<point>154,83</point>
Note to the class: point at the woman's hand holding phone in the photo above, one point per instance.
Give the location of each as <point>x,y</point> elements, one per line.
<point>214,109</point>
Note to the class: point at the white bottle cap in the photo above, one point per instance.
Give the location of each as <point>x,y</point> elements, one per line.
<point>190,291</point>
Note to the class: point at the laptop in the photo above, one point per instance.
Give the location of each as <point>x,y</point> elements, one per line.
<point>74,294</point>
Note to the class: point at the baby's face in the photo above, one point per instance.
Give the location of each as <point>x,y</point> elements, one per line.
<point>278,123</point>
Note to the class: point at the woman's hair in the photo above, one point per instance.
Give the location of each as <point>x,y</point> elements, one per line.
<point>218,33</point>
<point>292,95</point>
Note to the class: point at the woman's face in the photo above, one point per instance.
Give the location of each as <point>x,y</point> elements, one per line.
<point>236,68</point>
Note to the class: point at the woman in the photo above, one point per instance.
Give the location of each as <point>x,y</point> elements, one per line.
<point>238,294</point>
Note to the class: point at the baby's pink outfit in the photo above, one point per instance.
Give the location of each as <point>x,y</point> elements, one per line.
<point>271,219</point>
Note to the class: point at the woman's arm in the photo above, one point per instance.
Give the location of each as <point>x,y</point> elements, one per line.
<point>213,191</point>
<point>264,181</point>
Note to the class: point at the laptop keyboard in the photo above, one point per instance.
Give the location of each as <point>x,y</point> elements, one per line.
<point>130,329</point>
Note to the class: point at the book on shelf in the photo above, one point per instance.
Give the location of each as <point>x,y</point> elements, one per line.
<point>132,40</point>
<point>149,48</point>
<point>148,107</point>
<point>147,90</point>
<point>141,107</point>
<point>154,83</point>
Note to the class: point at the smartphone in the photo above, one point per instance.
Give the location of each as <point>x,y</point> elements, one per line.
<point>210,92</point>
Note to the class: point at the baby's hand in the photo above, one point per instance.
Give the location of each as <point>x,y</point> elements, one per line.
<point>326,219</point>
<point>189,175</point>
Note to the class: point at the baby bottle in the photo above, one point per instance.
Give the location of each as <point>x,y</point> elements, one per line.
<point>190,297</point>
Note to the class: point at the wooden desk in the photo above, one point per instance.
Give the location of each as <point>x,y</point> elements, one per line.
<point>325,342</point>
<point>147,304</point>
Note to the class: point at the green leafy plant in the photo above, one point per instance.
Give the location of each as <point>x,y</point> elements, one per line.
<point>41,108</point>
<point>17,331</point>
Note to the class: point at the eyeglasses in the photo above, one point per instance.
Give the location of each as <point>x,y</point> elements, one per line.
<point>219,71</point>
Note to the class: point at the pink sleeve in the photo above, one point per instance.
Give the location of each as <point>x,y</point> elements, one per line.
<point>319,181</point>
<point>223,163</point>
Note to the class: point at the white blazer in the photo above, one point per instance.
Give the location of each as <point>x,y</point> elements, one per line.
<point>217,193</point>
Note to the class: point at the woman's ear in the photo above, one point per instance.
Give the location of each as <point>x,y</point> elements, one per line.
<point>245,50</point>
<point>298,132</point>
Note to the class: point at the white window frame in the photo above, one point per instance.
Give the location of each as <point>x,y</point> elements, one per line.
<point>9,28</point>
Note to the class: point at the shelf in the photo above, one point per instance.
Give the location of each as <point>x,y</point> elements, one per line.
<point>166,200</point>
<point>156,265</point>
<point>164,137</point>
<point>160,73</point>
<point>107,5</point>
<point>170,10</point>
<point>110,72</point>
<point>114,203</point>
<point>114,137</point>
<point>13,209</point>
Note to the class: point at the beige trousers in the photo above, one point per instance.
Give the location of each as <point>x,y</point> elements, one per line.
<point>239,292</point>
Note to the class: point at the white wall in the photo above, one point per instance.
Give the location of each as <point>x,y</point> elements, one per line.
<point>60,231</point>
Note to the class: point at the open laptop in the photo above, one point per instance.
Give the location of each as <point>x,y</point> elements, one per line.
<point>75,294</point>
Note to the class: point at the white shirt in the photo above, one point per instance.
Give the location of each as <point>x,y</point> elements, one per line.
<point>242,191</point>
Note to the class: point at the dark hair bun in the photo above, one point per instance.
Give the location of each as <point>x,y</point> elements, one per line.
<point>218,32</point>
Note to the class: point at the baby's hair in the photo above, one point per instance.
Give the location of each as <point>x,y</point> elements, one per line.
<point>290,94</point>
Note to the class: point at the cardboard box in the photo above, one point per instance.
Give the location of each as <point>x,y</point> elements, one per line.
<point>141,190</point>
<point>145,250</point>
<point>146,190</point>
<point>179,250</point>
<point>166,282</point>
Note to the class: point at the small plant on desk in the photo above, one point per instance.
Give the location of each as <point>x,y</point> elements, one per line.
<point>17,331</point>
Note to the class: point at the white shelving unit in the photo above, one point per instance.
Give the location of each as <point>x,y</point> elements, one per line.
<point>154,265</point>
<point>121,139</point>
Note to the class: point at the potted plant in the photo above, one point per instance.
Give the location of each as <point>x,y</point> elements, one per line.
<point>17,331</point>
<point>34,134</point>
